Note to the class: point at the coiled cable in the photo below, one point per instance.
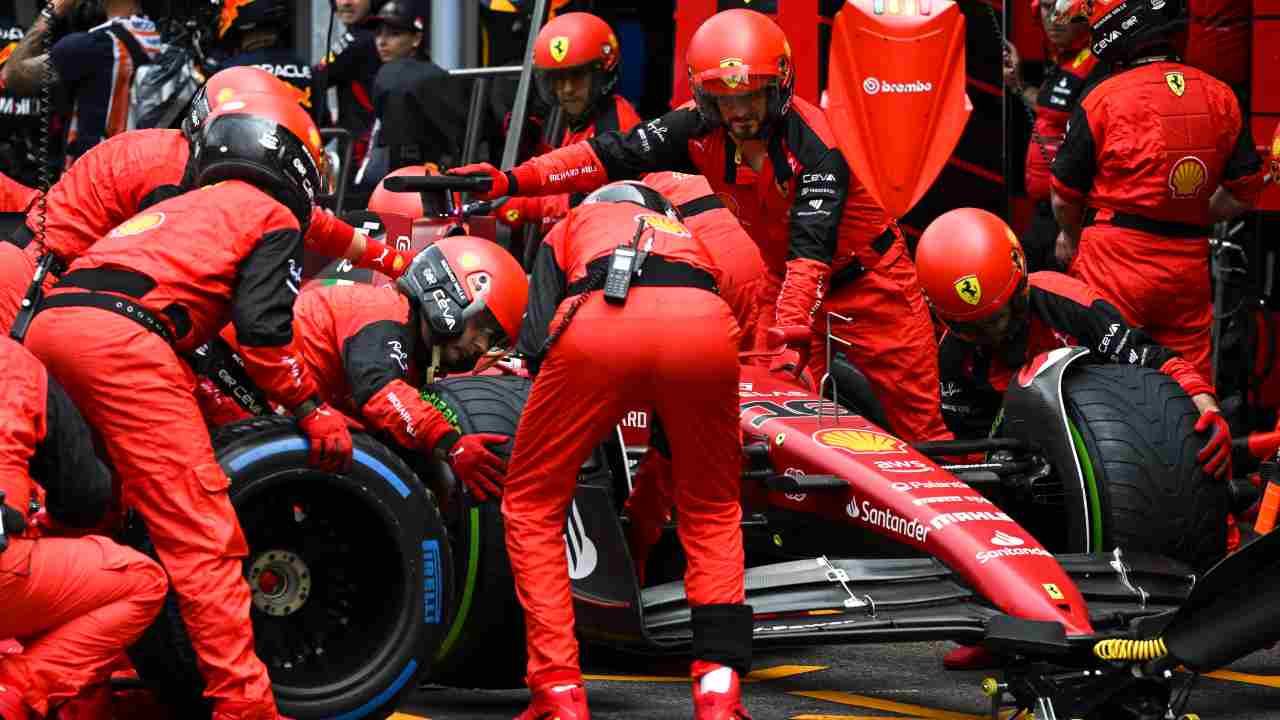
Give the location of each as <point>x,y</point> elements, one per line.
<point>1130,650</point>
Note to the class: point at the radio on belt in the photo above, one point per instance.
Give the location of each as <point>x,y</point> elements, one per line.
<point>625,262</point>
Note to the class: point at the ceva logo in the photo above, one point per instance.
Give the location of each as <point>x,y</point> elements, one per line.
<point>1004,539</point>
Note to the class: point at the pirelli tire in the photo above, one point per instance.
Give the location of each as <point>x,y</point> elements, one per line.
<point>484,646</point>
<point>1134,431</point>
<point>351,577</point>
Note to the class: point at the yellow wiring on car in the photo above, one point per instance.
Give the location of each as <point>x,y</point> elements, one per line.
<point>1118,649</point>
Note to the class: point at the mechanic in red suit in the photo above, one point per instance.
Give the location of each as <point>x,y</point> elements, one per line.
<point>742,271</point>
<point>670,344</point>
<point>132,171</point>
<point>75,603</point>
<point>1154,155</point>
<point>14,196</point>
<point>370,348</point>
<point>161,284</point>
<point>1072,69</point>
<point>827,244</point>
<point>998,317</point>
<point>575,63</point>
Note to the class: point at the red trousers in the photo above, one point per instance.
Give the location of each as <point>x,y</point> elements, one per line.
<point>135,392</point>
<point>890,339</point>
<point>1159,284</point>
<point>672,349</point>
<point>76,604</point>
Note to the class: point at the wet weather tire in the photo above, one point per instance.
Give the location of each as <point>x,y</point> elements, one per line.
<point>1137,429</point>
<point>485,645</point>
<point>350,574</point>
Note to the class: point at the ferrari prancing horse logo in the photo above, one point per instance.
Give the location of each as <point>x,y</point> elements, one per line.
<point>969,289</point>
<point>1177,84</point>
<point>559,48</point>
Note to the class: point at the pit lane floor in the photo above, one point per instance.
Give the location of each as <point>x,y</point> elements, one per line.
<point>835,683</point>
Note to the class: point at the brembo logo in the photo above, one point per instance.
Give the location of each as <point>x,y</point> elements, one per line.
<point>874,86</point>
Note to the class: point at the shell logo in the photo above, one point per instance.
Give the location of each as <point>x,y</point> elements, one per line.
<point>313,136</point>
<point>559,47</point>
<point>1187,177</point>
<point>224,95</point>
<point>969,289</point>
<point>468,261</point>
<point>662,223</point>
<point>1080,58</point>
<point>861,442</point>
<point>7,51</point>
<point>137,225</point>
<point>732,80</point>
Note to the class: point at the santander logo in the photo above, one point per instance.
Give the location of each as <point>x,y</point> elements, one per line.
<point>1004,539</point>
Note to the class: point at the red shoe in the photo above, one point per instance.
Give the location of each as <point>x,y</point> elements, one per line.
<point>970,657</point>
<point>562,702</point>
<point>11,705</point>
<point>717,695</point>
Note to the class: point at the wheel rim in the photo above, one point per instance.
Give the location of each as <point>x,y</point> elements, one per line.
<point>328,582</point>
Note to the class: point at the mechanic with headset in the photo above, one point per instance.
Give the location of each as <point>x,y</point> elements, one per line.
<point>1153,156</point>
<point>161,284</point>
<point>576,60</point>
<point>252,33</point>
<point>74,602</point>
<point>829,247</point>
<point>130,172</point>
<point>1071,70</point>
<point>657,336</point>
<point>998,317</point>
<point>370,349</point>
<point>95,68</point>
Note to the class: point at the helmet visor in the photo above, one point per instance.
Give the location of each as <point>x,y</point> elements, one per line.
<point>734,79</point>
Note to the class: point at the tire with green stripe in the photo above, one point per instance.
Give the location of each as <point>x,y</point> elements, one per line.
<point>350,577</point>
<point>484,645</point>
<point>1134,430</point>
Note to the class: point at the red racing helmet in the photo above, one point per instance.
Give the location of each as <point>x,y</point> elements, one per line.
<point>408,204</point>
<point>740,52</point>
<point>636,193</point>
<point>265,140</point>
<point>460,277</point>
<point>576,42</point>
<point>226,85</point>
<point>970,265</point>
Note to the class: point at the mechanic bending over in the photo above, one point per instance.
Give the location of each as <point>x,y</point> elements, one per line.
<point>160,284</point>
<point>1154,155</point>
<point>576,60</point>
<point>772,158</point>
<point>74,602</point>
<point>370,348</point>
<point>998,317</point>
<point>131,172</point>
<point>661,339</point>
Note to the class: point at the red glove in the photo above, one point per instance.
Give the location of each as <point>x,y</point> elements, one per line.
<point>1215,456</point>
<point>476,466</point>
<point>330,440</point>
<point>384,258</point>
<point>501,183</point>
<point>796,339</point>
<point>517,211</point>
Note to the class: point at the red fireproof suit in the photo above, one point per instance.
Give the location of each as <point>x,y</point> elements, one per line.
<point>74,603</point>
<point>1144,151</point>
<point>187,266</point>
<point>109,184</point>
<point>362,345</point>
<point>614,113</point>
<point>671,346</point>
<point>14,196</point>
<point>827,244</point>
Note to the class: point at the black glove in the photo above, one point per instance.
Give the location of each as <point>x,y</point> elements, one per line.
<point>12,522</point>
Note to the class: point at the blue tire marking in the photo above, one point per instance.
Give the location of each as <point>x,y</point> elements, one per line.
<point>382,697</point>
<point>431,582</point>
<point>292,444</point>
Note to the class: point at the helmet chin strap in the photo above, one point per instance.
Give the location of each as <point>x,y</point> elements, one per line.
<point>434,366</point>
